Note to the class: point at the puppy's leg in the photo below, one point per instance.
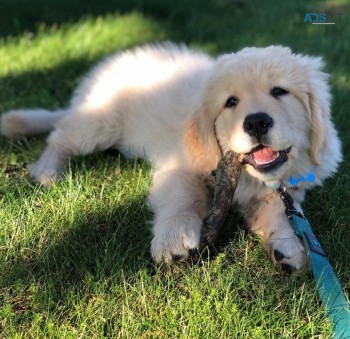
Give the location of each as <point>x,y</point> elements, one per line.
<point>266,218</point>
<point>75,134</point>
<point>180,201</point>
<point>50,165</point>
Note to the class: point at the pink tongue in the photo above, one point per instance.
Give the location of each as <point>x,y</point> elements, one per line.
<point>265,155</point>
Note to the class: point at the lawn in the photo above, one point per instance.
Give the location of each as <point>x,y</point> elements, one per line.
<point>75,259</point>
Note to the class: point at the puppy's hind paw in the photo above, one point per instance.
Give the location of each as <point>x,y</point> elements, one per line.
<point>44,175</point>
<point>50,166</point>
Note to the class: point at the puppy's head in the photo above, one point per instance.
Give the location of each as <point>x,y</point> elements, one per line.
<point>268,104</point>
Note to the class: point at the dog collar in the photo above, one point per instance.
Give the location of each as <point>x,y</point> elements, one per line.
<point>295,180</point>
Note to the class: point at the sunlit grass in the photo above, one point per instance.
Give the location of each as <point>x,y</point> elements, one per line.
<point>89,38</point>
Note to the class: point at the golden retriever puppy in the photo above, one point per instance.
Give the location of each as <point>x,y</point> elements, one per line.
<point>181,110</point>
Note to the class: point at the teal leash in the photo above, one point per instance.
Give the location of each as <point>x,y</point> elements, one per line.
<point>330,290</point>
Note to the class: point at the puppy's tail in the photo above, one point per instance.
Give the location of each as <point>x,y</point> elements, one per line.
<point>20,123</point>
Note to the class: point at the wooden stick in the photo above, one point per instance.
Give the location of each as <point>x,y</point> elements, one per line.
<point>226,180</point>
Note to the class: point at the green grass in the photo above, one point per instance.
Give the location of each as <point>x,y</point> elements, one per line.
<point>74,259</point>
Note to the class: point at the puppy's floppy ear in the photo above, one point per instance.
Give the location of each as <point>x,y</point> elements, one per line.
<point>200,139</point>
<point>319,106</point>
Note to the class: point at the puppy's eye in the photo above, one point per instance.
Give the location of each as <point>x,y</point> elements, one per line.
<point>278,92</point>
<point>231,102</point>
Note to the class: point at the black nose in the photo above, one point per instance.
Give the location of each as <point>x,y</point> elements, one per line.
<point>257,124</point>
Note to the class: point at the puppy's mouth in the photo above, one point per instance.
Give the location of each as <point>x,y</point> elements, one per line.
<point>264,158</point>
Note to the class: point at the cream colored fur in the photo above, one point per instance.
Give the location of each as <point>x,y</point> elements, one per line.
<point>167,104</point>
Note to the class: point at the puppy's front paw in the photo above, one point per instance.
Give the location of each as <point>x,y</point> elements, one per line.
<point>287,252</point>
<point>176,238</point>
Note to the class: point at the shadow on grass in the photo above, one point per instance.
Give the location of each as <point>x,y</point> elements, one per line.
<point>47,88</point>
<point>112,243</point>
<point>20,16</point>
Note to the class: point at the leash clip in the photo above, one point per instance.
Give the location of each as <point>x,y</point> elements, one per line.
<point>288,202</point>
